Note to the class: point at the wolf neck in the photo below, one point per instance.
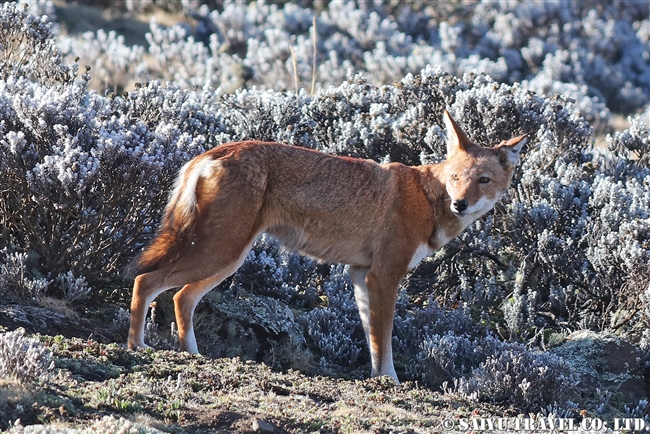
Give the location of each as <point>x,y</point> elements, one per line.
<point>446,224</point>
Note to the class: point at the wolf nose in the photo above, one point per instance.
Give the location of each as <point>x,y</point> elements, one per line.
<point>460,205</point>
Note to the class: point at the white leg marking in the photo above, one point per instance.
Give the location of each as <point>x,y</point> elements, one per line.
<point>190,339</point>
<point>387,367</point>
<point>210,283</point>
<point>358,276</point>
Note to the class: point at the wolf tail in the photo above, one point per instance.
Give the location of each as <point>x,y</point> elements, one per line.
<point>176,232</point>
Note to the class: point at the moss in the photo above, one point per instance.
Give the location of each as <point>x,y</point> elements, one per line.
<point>606,363</point>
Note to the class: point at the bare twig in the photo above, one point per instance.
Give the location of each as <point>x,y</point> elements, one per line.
<point>295,68</point>
<point>313,60</point>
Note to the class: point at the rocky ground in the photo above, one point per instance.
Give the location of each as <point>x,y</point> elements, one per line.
<point>104,387</point>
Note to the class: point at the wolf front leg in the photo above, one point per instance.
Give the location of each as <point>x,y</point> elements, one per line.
<point>376,295</point>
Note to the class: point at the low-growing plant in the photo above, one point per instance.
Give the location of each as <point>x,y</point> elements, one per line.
<point>24,358</point>
<point>74,288</point>
<point>444,358</point>
<point>16,277</point>
<point>511,374</point>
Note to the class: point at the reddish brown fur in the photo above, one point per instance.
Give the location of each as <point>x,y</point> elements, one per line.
<point>379,219</point>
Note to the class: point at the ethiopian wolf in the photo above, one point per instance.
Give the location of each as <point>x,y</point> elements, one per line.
<point>381,219</point>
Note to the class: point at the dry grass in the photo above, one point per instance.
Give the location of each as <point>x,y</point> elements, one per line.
<point>177,392</point>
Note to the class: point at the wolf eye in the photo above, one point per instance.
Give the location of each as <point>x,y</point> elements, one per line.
<point>484,180</point>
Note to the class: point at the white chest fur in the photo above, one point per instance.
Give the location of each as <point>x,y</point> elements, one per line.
<point>441,238</point>
<point>421,252</point>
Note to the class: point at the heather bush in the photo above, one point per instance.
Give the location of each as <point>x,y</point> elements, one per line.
<point>597,57</point>
<point>452,350</point>
<point>336,329</point>
<point>74,288</point>
<point>511,374</point>
<point>115,65</point>
<point>23,358</point>
<point>443,358</point>
<point>414,326</point>
<point>77,166</point>
<point>16,277</point>
<point>488,369</point>
<point>29,48</point>
<point>272,271</point>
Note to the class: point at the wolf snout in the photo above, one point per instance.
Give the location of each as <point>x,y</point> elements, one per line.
<point>458,206</point>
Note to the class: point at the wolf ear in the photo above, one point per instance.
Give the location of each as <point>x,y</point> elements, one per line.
<point>457,140</point>
<point>508,150</point>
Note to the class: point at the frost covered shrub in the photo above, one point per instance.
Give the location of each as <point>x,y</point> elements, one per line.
<point>446,347</point>
<point>180,58</point>
<point>598,57</point>
<point>512,374</point>
<point>487,369</point>
<point>391,123</point>
<point>16,277</point>
<point>445,357</point>
<point>74,288</point>
<point>631,148</point>
<point>40,8</point>
<point>115,66</point>
<point>23,358</point>
<point>121,322</point>
<point>435,341</point>
<point>84,176</point>
<point>262,271</point>
<point>417,325</point>
<point>29,48</point>
<point>273,271</point>
<point>336,329</point>
<point>268,116</point>
<point>620,234</point>
<point>80,171</point>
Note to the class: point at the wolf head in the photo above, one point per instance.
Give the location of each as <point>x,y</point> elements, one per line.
<point>476,176</point>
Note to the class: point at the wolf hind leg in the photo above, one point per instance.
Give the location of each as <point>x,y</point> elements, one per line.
<point>202,279</point>
<point>146,288</point>
<point>186,300</point>
<point>226,224</point>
